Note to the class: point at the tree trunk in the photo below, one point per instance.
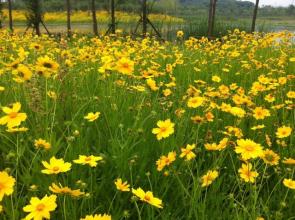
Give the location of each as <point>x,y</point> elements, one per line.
<point>211,17</point>
<point>37,28</point>
<point>93,9</point>
<point>254,16</point>
<point>38,18</point>
<point>213,14</point>
<point>1,14</point>
<point>144,18</point>
<point>113,27</point>
<point>69,28</point>
<point>10,15</point>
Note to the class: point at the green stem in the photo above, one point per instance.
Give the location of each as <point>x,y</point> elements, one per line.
<point>138,211</point>
<point>64,207</point>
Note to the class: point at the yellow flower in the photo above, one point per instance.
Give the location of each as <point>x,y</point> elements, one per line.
<point>289,183</point>
<point>92,116</point>
<point>282,80</point>
<point>225,70</point>
<point>167,92</point>
<point>283,132</point>
<point>46,66</point>
<point>166,160</point>
<point>17,129</point>
<point>269,98</point>
<point>164,130</point>
<point>289,161</point>
<point>292,59</point>
<point>212,147</point>
<point>2,88</point>
<point>236,111</point>
<point>122,186</point>
<point>257,127</point>
<point>179,34</point>
<point>65,190</point>
<point>22,74</point>
<point>248,149</point>
<point>197,119</point>
<point>209,177</point>
<point>41,143</point>
<point>138,88</point>
<point>13,118</point>
<point>1,209</point>
<point>260,113</point>
<point>97,217</point>
<point>90,160</point>
<point>247,174</point>
<point>268,140</point>
<point>152,84</point>
<point>188,152</point>
<point>222,145</point>
<point>195,102</point>
<point>56,166</point>
<point>169,68</point>
<point>291,94</point>
<point>40,208</point>
<point>52,95</point>
<point>125,66</point>
<point>216,78</point>
<point>270,157</point>
<point>179,112</point>
<point>147,197</point>
<point>209,116</point>
<point>6,184</point>
<point>36,46</point>
<point>237,132</point>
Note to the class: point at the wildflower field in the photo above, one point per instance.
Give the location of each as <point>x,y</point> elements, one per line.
<point>84,17</point>
<point>122,128</point>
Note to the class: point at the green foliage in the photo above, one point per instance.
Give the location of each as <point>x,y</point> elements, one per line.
<point>291,10</point>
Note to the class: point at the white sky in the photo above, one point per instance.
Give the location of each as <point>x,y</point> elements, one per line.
<point>275,2</point>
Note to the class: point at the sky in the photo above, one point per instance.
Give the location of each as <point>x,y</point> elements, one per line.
<point>275,2</point>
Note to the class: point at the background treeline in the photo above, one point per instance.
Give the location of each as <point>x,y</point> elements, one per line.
<point>180,7</point>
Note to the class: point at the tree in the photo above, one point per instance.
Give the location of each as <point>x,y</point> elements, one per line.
<point>1,13</point>
<point>290,10</point>
<point>94,20</point>
<point>34,14</point>
<point>144,18</point>
<point>211,17</point>
<point>113,22</point>
<point>254,16</point>
<point>69,29</point>
<point>10,15</point>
